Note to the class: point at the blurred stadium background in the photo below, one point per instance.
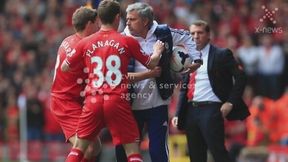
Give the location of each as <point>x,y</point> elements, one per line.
<point>256,31</point>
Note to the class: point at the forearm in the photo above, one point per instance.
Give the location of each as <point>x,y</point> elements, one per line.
<point>154,60</point>
<point>136,77</point>
<point>158,48</point>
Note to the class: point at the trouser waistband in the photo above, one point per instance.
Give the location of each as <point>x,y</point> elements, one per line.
<point>203,103</point>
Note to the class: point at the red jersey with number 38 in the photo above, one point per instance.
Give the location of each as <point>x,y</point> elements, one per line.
<point>68,85</point>
<point>107,55</point>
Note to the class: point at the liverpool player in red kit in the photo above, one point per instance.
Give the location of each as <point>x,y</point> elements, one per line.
<point>107,54</point>
<point>66,102</point>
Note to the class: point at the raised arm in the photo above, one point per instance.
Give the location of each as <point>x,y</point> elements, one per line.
<point>158,48</point>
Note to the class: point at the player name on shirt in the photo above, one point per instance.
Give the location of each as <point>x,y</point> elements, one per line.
<point>111,43</point>
<point>67,48</point>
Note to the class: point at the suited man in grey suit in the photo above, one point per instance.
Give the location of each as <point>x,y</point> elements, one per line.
<point>208,95</point>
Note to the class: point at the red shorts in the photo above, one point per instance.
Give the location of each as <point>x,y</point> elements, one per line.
<point>66,113</point>
<point>108,111</point>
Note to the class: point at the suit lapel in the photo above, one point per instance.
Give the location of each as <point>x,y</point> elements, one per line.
<point>211,57</point>
<point>210,70</point>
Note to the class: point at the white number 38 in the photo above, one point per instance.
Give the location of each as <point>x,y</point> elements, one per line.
<point>112,69</point>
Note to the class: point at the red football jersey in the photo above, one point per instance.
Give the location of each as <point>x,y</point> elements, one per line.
<point>69,85</point>
<point>107,55</point>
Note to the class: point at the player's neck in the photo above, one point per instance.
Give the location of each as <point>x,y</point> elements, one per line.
<point>142,34</point>
<point>80,34</point>
<point>107,27</point>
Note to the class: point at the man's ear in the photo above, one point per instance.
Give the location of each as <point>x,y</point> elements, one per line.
<point>98,23</point>
<point>146,22</point>
<point>118,17</point>
<point>116,21</point>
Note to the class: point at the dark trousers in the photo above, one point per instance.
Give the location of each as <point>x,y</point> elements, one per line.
<point>205,130</point>
<point>156,120</point>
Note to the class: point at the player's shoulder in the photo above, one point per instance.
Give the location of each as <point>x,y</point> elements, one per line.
<point>72,38</point>
<point>86,41</point>
<point>128,39</point>
<point>220,50</point>
<point>70,41</point>
<point>89,38</point>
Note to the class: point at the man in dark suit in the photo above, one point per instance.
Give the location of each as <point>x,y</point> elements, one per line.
<point>208,95</point>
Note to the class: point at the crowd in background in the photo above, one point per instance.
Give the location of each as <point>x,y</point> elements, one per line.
<point>32,30</point>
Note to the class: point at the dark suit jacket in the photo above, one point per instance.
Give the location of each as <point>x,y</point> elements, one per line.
<point>227,80</point>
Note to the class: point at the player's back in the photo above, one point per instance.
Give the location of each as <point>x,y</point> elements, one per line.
<point>107,54</point>
<point>68,85</point>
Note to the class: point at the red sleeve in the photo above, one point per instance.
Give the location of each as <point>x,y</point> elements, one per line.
<point>75,55</point>
<point>137,52</point>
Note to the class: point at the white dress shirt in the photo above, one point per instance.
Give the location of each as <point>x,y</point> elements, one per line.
<point>203,90</point>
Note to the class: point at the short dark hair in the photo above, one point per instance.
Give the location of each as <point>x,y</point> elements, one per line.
<point>203,24</point>
<point>82,16</point>
<point>107,11</point>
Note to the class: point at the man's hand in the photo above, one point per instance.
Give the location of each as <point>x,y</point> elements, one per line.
<point>158,47</point>
<point>226,108</point>
<point>191,68</point>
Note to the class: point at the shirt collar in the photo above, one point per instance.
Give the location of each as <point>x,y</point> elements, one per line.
<point>149,33</point>
<point>205,50</point>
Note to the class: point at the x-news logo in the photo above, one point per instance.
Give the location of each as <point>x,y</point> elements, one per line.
<point>269,15</point>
